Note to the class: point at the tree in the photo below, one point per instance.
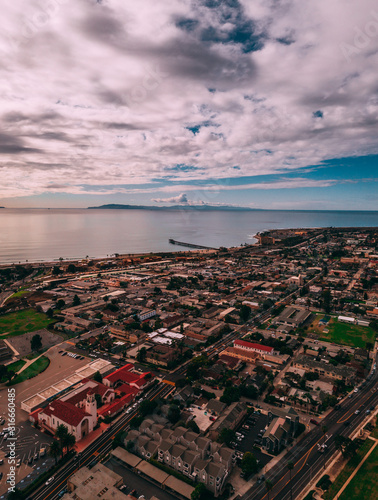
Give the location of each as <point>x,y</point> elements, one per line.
<point>69,442</point>
<point>268,486</point>
<point>245,312</point>
<point>97,377</point>
<point>142,354</point>
<point>249,464</point>
<point>55,450</point>
<point>36,342</point>
<point>98,400</point>
<point>199,493</point>
<point>10,374</point>
<point>3,371</point>
<point>290,466</point>
<point>174,413</point>
<point>71,268</point>
<point>76,301</point>
<point>369,346</point>
<point>16,494</point>
<point>226,436</point>
<point>326,302</point>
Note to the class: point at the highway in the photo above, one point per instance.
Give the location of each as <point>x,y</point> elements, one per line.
<point>305,455</point>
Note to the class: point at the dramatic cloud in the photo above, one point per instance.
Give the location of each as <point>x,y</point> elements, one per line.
<point>181,198</point>
<point>98,97</point>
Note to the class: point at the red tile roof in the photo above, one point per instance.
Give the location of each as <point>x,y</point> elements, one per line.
<point>251,345</point>
<point>120,373</point>
<point>115,406</point>
<point>66,412</point>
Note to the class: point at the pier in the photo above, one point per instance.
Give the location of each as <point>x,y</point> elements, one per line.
<point>190,245</point>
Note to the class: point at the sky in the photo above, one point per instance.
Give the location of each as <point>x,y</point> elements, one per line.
<point>258,103</point>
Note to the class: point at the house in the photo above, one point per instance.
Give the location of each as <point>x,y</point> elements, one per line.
<point>361,355</point>
<point>229,419</point>
<point>282,427</point>
<point>252,347</point>
<point>185,451</point>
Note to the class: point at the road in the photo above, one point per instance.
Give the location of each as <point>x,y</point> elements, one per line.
<point>100,447</point>
<point>305,455</point>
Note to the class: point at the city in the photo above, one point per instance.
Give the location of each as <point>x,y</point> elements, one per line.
<point>246,372</point>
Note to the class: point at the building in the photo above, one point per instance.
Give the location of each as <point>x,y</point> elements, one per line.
<point>324,369</point>
<point>5,351</point>
<point>97,482</point>
<point>79,421</point>
<point>146,314</point>
<point>293,317</point>
<point>126,377</point>
<point>282,427</point>
<point>186,451</point>
<point>252,347</point>
<point>77,410</point>
<point>230,418</point>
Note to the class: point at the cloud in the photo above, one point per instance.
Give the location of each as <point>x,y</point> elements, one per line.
<point>183,91</point>
<point>181,198</point>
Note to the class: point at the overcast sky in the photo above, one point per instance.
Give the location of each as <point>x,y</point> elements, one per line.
<point>262,103</point>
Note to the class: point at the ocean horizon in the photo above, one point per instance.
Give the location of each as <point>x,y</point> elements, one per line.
<point>43,234</point>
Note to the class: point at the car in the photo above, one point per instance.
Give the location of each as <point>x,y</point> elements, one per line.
<point>1,476</point>
<point>18,462</point>
<point>357,412</point>
<point>62,492</point>
<point>64,353</point>
<point>313,421</point>
<point>2,421</point>
<point>60,352</point>
<point>212,419</point>
<point>1,461</point>
<point>356,389</point>
<point>367,412</point>
<point>7,454</point>
<point>36,456</point>
<point>5,436</point>
<point>30,461</point>
<point>50,480</point>
<point>350,396</point>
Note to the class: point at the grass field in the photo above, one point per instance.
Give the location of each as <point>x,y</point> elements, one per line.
<point>364,485</point>
<point>342,333</point>
<point>348,470</point>
<point>21,322</point>
<point>17,365</point>
<point>32,371</point>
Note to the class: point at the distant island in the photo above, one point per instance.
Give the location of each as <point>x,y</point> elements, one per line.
<point>174,207</point>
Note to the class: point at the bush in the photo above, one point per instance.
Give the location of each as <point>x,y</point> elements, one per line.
<point>324,483</point>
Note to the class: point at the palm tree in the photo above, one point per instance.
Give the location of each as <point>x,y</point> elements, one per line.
<point>69,442</point>
<point>268,486</point>
<point>290,466</point>
<point>55,450</point>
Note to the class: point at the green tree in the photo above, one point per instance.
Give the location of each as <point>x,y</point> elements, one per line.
<point>327,301</point>
<point>245,312</point>
<point>3,371</point>
<point>174,413</point>
<point>227,436</point>
<point>97,377</point>
<point>76,301</point>
<point>55,450</point>
<point>10,374</point>
<point>200,492</point>
<point>142,354</point>
<point>268,486</point>
<point>98,400</point>
<point>249,464</point>
<point>16,495</point>
<point>36,342</point>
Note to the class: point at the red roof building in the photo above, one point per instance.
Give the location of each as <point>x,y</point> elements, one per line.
<point>249,346</point>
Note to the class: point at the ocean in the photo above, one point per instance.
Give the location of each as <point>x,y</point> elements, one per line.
<point>49,234</point>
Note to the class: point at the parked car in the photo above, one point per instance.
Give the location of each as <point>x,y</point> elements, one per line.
<point>313,421</point>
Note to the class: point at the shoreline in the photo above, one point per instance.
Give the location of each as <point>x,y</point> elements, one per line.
<point>181,252</point>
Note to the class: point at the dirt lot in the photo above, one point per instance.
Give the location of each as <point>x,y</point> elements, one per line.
<point>22,342</point>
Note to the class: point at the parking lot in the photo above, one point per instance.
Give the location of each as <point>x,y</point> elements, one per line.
<point>247,437</point>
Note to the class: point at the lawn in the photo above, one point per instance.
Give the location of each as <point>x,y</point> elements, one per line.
<point>32,371</point>
<point>17,365</point>
<point>348,470</point>
<point>343,333</point>
<point>21,322</point>
<point>365,482</point>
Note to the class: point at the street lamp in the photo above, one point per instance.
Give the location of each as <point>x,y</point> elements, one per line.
<point>308,465</point>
